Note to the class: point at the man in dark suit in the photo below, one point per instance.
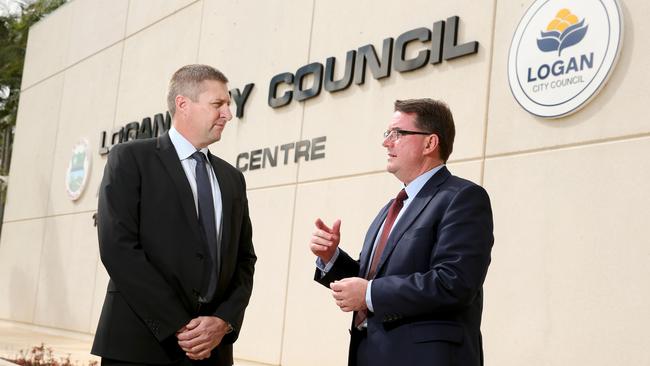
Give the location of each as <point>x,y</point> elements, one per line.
<point>416,290</point>
<point>175,237</point>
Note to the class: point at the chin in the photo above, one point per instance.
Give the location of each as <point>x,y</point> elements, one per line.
<point>215,138</point>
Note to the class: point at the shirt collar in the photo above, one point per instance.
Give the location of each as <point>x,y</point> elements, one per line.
<point>413,188</point>
<point>184,148</point>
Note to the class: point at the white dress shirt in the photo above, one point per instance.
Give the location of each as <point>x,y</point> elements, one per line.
<point>185,149</point>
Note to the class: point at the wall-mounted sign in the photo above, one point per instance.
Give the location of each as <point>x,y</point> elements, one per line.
<point>78,170</point>
<point>443,38</point>
<point>434,45</point>
<point>291,152</point>
<point>135,130</point>
<point>562,54</point>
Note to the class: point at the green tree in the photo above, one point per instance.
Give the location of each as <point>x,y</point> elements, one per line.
<point>13,42</point>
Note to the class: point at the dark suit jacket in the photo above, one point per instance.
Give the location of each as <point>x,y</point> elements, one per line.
<point>427,295</point>
<point>152,248</point>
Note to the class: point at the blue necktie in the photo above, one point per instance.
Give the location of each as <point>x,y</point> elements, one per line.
<point>207,219</point>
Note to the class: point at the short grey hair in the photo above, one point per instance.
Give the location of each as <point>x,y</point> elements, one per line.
<point>187,81</point>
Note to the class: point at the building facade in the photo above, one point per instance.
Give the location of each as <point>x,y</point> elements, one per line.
<point>568,283</point>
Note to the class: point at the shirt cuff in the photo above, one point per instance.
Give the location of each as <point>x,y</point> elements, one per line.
<point>325,267</point>
<point>368,298</point>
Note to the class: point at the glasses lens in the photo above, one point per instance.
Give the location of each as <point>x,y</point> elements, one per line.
<point>392,135</point>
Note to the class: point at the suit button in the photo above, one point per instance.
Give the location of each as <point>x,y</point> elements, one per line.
<point>199,255</point>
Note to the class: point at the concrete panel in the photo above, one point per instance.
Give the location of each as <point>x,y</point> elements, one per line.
<point>32,156</point>
<point>567,282</point>
<point>20,260</point>
<point>144,13</point>
<point>470,170</point>
<point>310,307</point>
<point>86,111</point>
<point>277,31</point>
<point>150,60</point>
<point>354,119</point>
<point>68,270</point>
<point>618,110</point>
<point>271,212</point>
<point>47,46</point>
<point>96,24</point>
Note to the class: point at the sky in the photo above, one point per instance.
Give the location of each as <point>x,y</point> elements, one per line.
<point>11,6</point>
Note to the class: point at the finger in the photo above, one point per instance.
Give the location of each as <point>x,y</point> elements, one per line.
<point>318,248</point>
<point>346,280</point>
<point>349,282</point>
<point>193,323</point>
<point>200,353</point>
<point>338,296</point>
<point>321,240</point>
<point>321,225</point>
<point>197,356</point>
<point>336,228</point>
<point>190,343</point>
<point>323,234</point>
<point>200,348</point>
<point>336,286</point>
<point>189,335</point>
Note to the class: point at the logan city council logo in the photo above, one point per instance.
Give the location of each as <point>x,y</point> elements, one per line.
<point>78,170</point>
<point>562,54</point>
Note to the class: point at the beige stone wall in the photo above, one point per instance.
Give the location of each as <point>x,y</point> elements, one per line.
<point>568,282</point>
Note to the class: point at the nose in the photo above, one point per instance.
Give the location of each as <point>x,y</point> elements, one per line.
<point>225,111</point>
<point>387,142</point>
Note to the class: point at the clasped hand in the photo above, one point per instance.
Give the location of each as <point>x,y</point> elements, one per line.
<point>350,293</point>
<point>201,335</point>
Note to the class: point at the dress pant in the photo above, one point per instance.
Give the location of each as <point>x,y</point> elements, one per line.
<point>359,347</point>
<point>183,362</point>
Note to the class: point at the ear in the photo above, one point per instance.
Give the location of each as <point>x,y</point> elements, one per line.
<point>181,102</point>
<point>431,143</point>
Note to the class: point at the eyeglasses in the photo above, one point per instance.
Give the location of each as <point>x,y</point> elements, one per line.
<point>395,134</point>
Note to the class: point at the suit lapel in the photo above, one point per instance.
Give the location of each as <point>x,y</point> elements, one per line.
<point>414,209</point>
<point>172,164</point>
<point>371,235</point>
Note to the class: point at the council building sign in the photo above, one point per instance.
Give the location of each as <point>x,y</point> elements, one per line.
<point>435,44</point>
<point>562,54</point>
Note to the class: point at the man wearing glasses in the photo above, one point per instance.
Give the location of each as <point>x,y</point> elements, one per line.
<point>416,291</point>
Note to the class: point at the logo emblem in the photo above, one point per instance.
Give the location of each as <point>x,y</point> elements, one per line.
<point>78,170</point>
<point>562,54</point>
<point>562,32</point>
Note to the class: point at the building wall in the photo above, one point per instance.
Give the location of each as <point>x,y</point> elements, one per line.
<point>568,281</point>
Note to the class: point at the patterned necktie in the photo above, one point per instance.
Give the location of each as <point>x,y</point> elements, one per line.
<point>207,219</point>
<point>393,211</point>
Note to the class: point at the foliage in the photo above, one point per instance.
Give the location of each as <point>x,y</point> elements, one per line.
<point>43,356</point>
<point>14,29</point>
<point>13,42</point>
